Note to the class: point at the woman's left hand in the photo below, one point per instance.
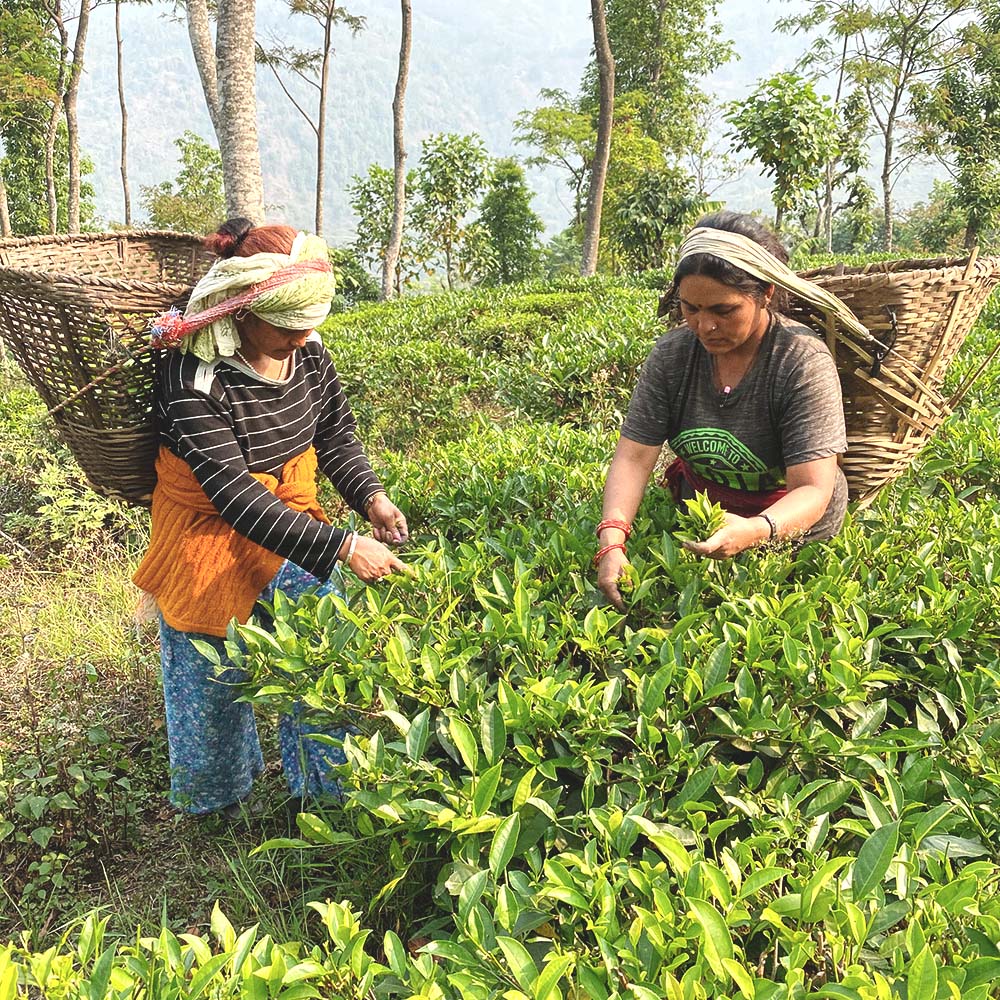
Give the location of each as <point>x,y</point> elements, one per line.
<point>387,520</point>
<point>736,535</point>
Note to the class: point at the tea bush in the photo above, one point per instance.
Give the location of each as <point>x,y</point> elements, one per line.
<point>774,776</point>
<point>771,779</point>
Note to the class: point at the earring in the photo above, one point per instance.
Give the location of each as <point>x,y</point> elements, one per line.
<point>241,314</point>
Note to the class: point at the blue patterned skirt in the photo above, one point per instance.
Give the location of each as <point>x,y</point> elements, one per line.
<point>214,750</point>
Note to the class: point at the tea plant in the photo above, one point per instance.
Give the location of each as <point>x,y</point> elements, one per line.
<point>769,790</point>
<point>699,519</point>
<point>774,779</point>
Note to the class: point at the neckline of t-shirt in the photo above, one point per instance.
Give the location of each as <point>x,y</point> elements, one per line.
<point>256,375</point>
<point>766,342</point>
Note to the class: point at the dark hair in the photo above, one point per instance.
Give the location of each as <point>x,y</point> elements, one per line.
<point>721,270</point>
<point>239,237</point>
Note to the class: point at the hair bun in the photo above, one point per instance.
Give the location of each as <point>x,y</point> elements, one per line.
<point>226,240</point>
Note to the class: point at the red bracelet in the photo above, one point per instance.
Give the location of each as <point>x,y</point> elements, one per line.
<point>601,553</point>
<point>612,522</point>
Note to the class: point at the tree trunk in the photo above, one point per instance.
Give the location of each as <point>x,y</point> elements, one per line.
<point>828,190</point>
<point>324,78</point>
<point>827,210</point>
<point>4,209</point>
<point>126,195</point>
<point>390,266</point>
<point>72,124</point>
<point>52,127</point>
<point>203,48</point>
<point>657,70</point>
<point>599,172</point>
<point>972,228</point>
<point>236,74</point>
<point>51,131</point>
<point>887,187</point>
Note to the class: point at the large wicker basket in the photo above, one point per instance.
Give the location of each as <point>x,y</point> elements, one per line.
<point>918,312</point>
<point>71,307</point>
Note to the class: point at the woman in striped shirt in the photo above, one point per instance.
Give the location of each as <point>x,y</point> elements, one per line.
<point>249,407</point>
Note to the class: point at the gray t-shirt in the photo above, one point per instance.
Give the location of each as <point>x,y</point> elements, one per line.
<point>787,409</point>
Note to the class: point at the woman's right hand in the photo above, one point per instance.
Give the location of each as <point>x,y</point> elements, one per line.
<point>611,568</point>
<point>371,560</point>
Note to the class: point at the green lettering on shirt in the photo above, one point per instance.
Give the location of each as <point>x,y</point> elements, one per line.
<point>717,455</point>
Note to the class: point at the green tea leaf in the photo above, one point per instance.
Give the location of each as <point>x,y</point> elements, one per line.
<point>465,742</point>
<point>718,942</point>
<point>486,789</point>
<point>493,733</point>
<point>520,962</point>
<point>504,842</point>
<point>555,968</point>
<point>922,976</point>
<point>873,861</point>
<point>417,735</point>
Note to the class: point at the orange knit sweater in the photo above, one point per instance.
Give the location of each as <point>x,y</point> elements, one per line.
<point>201,571</point>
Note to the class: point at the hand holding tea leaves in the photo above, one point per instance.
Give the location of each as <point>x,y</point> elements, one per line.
<point>699,519</point>
<point>705,529</point>
<point>615,574</point>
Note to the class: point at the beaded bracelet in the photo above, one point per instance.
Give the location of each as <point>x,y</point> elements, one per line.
<point>367,504</point>
<point>602,552</point>
<point>612,522</point>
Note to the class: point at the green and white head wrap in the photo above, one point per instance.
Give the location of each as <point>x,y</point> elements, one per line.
<point>291,291</point>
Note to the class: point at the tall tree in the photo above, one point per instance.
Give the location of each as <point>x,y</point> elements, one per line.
<point>450,177</point>
<point>959,117</point>
<point>887,47</point>
<point>512,226</point>
<point>24,168</point>
<point>845,168</point>
<point>27,69</point>
<point>70,99</point>
<point>227,68</point>
<point>389,268</point>
<point>662,49</point>
<point>312,67</point>
<point>564,135</point>
<point>195,201</point>
<point>54,13</point>
<point>605,122</point>
<point>123,107</point>
<point>372,199</point>
<point>791,131</point>
<point>651,217</point>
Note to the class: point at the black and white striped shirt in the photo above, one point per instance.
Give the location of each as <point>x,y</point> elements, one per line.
<point>226,422</point>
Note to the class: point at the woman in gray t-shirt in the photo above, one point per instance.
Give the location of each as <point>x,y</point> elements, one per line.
<point>749,402</point>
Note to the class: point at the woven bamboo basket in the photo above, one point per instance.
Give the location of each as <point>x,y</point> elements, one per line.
<point>918,312</point>
<point>75,312</point>
<point>73,307</point>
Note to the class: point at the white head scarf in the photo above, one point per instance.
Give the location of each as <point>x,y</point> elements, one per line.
<point>301,302</point>
<point>744,253</point>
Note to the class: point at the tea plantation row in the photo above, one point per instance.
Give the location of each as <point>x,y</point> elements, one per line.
<point>773,777</point>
